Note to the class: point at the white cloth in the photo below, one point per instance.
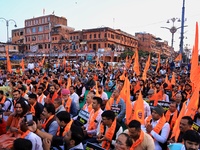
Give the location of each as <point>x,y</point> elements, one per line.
<point>35,140</point>
<point>30,66</point>
<point>104,96</point>
<point>162,138</point>
<point>75,98</point>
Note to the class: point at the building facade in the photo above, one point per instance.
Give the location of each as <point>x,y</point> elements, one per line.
<point>37,35</point>
<point>151,43</point>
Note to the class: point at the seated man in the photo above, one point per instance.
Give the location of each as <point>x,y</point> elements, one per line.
<point>124,142</point>
<point>35,140</point>
<point>191,140</point>
<point>108,130</point>
<point>94,120</point>
<point>117,105</point>
<point>141,140</point>
<point>50,124</point>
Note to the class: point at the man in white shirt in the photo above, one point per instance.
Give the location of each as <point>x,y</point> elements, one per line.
<point>157,127</point>
<point>74,96</point>
<point>31,67</point>
<point>35,139</point>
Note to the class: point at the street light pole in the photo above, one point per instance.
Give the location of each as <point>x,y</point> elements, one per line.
<point>173,30</point>
<point>182,27</point>
<point>7,25</point>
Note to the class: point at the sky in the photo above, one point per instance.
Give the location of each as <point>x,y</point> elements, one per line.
<point>131,16</point>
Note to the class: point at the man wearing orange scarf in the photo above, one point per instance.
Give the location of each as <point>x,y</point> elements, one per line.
<point>158,128</point>
<point>35,139</point>
<point>141,140</point>
<point>50,124</point>
<point>36,108</point>
<point>108,130</point>
<point>94,120</point>
<point>52,95</point>
<point>117,105</point>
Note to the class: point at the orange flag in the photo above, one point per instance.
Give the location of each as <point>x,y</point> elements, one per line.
<point>139,109</point>
<point>137,87</point>
<point>9,67</point>
<point>173,80</point>
<point>179,57</point>
<point>127,65</point>
<point>64,62</point>
<point>156,97</point>
<point>194,61</point>
<point>42,62</point>
<point>144,75</point>
<point>69,83</point>
<point>122,77</point>
<point>136,66</point>
<point>22,65</point>
<point>133,57</point>
<point>97,92</point>
<point>158,64</point>
<point>129,110</point>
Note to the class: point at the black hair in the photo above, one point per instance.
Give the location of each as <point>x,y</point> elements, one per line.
<point>98,99</point>
<point>58,100</point>
<point>41,88</point>
<point>50,108</point>
<point>191,135</point>
<point>25,106</point>
<point>22,144</point>
<point>189,119</point>
<point>109,114</point>
<point>76,134</point>
<point>32,95</point>
<point>72,87</point>
<point>64,116</point>
<point>135,124</point>
<point>16,91</point>
<point>129,141</point>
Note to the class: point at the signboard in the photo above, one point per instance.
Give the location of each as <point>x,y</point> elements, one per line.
<point>164,104</point>
<point>83,116</point>
<point>196,127</point>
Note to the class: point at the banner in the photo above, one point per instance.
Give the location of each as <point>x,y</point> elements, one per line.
<point>83,116</point>
<point>196,127</point>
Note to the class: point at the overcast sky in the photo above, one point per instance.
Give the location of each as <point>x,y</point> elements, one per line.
<point>130,16</point>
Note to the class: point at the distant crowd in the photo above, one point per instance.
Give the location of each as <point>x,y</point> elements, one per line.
<point>71,105</point>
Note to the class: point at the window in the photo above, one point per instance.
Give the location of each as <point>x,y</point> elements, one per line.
<point>21,33</point>
<point>55,38</point>
<point>33,38</point>
<point>90,45</point>
<point>28,30</point>
<point>48,45</point>
<point>74,37</point>
<point>105,35</point>
<point>112,36</point>
<point>40,37</point>
<point>105,45</point>
<point>40,28</point>
<point>46,27</point>
<point>33,30</point>
<point>90,36</point>
<point>108,35</point>
<point>99,45</point>
<point>70,37</point>
<point>94,36</point>
<point>48,19</point>
<point>52,38</point>
<point>99,36</point>
<point>77,37</point>
<point>45,46</point>
<point>85,37</point>
<point>42,20</point>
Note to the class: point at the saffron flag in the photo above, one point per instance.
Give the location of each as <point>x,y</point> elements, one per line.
<point>22,65</point>
<point>194,61</point>
<point>139,109</point>
<point>179,57</point>
<point>144,75</point>
<point>69,83</point>
<point>136,66</point>
<point>9,67</point>
<point>173,80</point>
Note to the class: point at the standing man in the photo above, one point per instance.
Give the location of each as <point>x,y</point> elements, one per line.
<point>74,97</point>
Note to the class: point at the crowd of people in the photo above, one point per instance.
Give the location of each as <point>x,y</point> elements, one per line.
<point>67,107</point>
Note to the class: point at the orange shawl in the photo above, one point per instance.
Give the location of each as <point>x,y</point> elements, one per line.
<point>40,98</point>
<point>93,116</point>
<point>55,95</point>
<point>88,107</point>
<point>33,108</point>
<point>109,134</point>
<point>46,122</point>
<point>67,128</point>
<point>159,125</point>
<point>68,104</point>
<point>3,100</point>
<point>138,141</point>
<point>24,134</point>
<point>110,102</point>
<point>175,116</point>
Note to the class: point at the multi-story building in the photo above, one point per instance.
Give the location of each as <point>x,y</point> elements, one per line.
<point>102,41</point>
<point>37,32</point>
<point>151,43</point>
